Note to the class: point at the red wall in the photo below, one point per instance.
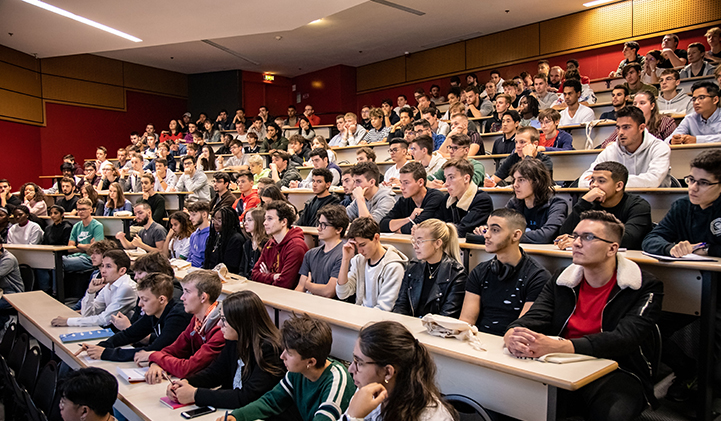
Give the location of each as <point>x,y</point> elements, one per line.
<point>595,64</point>
<point>275,95</point>
<point>78,130</point>
<point>330,91</point>
<point>19,160</point>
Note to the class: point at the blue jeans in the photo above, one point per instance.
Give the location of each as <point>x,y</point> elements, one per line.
<point>80,263</point>
<point>45,280</point>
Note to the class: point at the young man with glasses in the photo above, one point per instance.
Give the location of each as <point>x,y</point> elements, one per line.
<point>321,265</point>
<point>84,233</point>
<point>704,124</point>
<point>459,148</point>
<point>88,394</point>
<point>502,289</point>
<point>398,150</point>
<point>322,179</point>
<point>423,127</point>
<point>605,306</point>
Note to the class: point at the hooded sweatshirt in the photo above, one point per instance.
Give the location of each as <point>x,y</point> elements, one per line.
<point>680,104</point>
<point>436,163</point>
<point>192,351</point>
<point>380,292</point>
<point>649,166</point>
<point>284,258</point>
<point>380,204</point>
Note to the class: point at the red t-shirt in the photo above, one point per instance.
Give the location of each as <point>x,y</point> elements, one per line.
<point>543,141</point>
<point>586,318</point>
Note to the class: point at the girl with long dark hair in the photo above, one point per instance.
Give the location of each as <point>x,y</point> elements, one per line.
<point>395,376</point>
<point>256,237</point>
<point>225,242</point>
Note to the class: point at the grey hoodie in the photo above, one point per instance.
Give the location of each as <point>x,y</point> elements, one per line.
<point>380,204</point>
<point>381,292</point>
<point>680,104</point>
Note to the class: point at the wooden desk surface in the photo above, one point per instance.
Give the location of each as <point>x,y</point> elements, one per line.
<point>37,247</point>
<point>338,313</point>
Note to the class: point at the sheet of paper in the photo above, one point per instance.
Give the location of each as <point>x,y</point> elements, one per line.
<point>688,257</point>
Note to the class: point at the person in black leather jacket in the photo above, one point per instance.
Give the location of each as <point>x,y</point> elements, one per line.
<point>434,282</point>
<point>605,306</point>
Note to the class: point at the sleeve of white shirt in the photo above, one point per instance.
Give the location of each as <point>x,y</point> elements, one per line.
<point>349,288</point>
<point>124,297</point>
<point>37,235</point>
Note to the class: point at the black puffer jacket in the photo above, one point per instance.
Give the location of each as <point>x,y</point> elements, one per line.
<point>629,318</point>
<point>445,296</point>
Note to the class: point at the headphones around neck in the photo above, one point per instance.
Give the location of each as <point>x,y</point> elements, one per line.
<point>502,270</point>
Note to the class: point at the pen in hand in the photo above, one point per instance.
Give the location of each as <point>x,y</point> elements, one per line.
<point>83,347</point>
<point>699,246</point>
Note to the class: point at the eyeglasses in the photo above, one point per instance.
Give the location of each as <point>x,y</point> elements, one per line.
<point>360,363</point>
<point>454,148</point>
<point>699,98</point>
<point>393,150</point>
<point>415,242</point>
<point>701,183</point>
<point>322,225</point>
<point>587,237</point>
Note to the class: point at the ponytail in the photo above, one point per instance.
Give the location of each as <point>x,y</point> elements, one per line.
<point>447,233</point>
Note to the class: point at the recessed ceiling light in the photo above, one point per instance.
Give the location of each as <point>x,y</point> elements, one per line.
<point>316,21</point>
<point>597,2</point>
<point>81,19</point>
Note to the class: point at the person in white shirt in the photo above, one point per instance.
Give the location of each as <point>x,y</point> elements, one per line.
<point>574,113</point>
<point>164,179</point>
<point>647,158</point>
<point>671,99</point>
<point>101,157</point>
<point>130,180</point>
<point>421,149</point>
<point>398,150</point>
<point>114,293</point>
<point>24,231</point>
<point>237,162</point>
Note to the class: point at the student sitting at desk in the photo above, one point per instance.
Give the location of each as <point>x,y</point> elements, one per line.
<point>225,241</point>
<point>8,200</point>
<point>370,270</point>
<point>605,306</point>
<point>249,364</point>
<point>66,169</point>
<point>164,175</point>
<point>69,201</point>
<point>95,251</point>
<point>115,293</point>
<point>672,99</point>
<point>658,125</point>
<point>500,290</point>
<point>393,372</point>
<point>458,146</point>
<point>704,124</point>
<point>466,206</point>
<point>34,198</point>
<point>417,204</point>
<point>223,196</point>
<point>150,238</point>
<point>193,181</point>
<point>321,182</point>
<point>608,193</point>
<point>319,159</point>
<point>534,198</point>
<point>131,178</point>
<point>4,225</point>
<point>434,281</point>
<point>152,198</point>
<point>198,212</point>
<point>526,148</point>
<point>88,394</point>
<point>84,233</point>
<point>256,237</point>
<point>282,257</point>
<point>202,340</point>
<point>647,158</point>
<point>321,265</point>
<point>177,242</point>
<point>550,138</point>
<point>318,387</point>
<point>89,192</point>
<point>369,198</point>
<point>24,231</point>
<point>163,319</point>
<point>116,201</point>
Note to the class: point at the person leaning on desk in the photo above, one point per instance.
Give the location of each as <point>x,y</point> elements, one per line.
<point>605,306</point>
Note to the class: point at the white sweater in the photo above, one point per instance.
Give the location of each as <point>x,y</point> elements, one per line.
<point>31,233</point>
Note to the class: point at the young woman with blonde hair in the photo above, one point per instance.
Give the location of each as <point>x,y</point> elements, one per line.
<point>435,280</point>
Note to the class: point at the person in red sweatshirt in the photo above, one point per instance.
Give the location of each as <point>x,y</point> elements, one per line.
<point>202,340</point>
<point>282,256</point>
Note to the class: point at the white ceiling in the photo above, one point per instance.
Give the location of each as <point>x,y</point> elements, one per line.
<point>352,32</point>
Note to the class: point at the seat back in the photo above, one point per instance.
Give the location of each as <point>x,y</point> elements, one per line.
<point>6,345</point>
<point>468,409</point>
<point>45,387</point>
<point>28,275</point>
<point>17,354</point>
<point>28,374</point>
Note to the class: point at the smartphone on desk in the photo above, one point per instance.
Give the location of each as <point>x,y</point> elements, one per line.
<point>203,410</point>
